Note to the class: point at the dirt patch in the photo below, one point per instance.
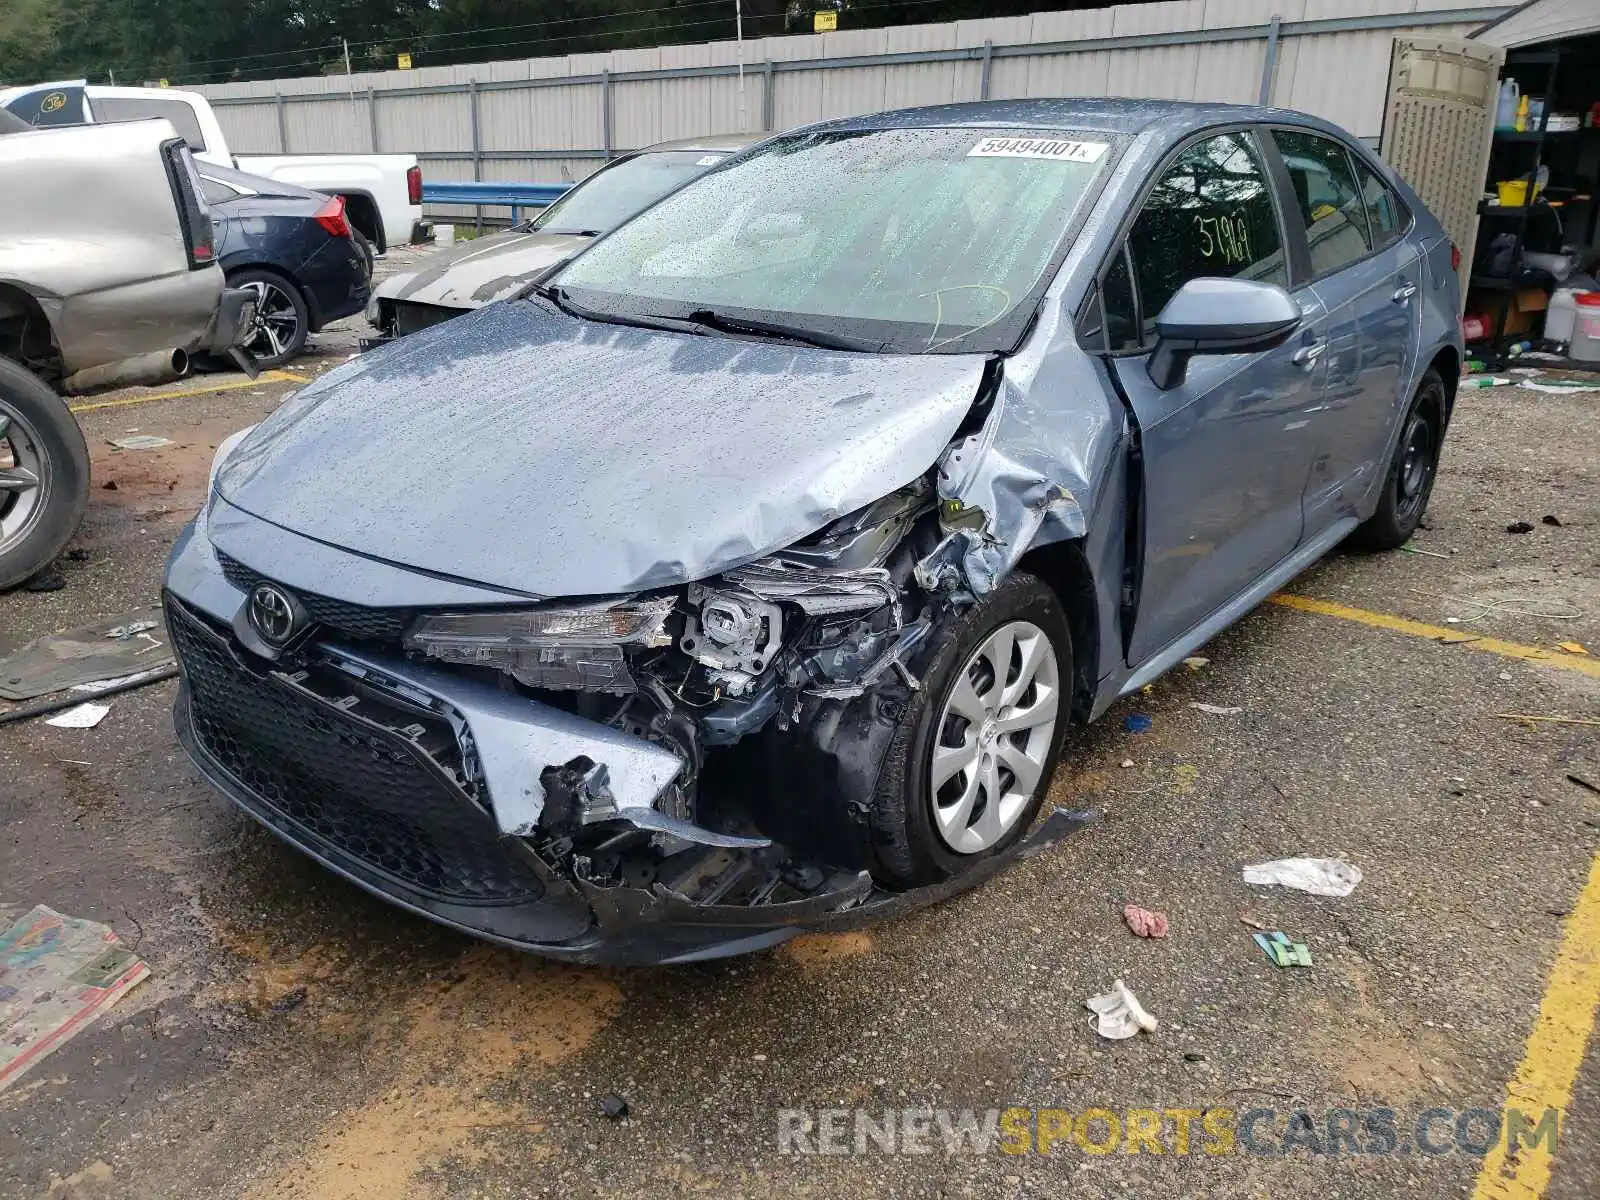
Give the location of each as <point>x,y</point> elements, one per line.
<point>819,949</point>
<point>456,1042</point>
<point>1364,1046</point>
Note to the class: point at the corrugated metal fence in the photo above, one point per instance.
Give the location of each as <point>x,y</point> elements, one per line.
<point>558,119</point>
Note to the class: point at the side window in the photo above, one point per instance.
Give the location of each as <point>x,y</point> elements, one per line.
<point>217,192</point>
<point>141,109</point>
<point>1210,215</point>
<point>1385,217</point>
<point>1122,311</point>
<point>1331,207</point>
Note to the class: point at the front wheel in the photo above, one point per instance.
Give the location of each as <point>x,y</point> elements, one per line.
<point>970,764</point>
<point>1409,482</point>
<point>44,474</point>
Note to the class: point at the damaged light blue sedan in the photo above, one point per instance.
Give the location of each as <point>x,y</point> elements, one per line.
<point>746,575</point>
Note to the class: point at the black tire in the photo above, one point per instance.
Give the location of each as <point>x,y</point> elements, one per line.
<point>1415,465</point>
<point>908,848</point>
<point>282,329</point>
<point>366,249</point>
<point>38,422</point>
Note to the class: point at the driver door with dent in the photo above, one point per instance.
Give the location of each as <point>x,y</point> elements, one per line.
<point>1227,451</point>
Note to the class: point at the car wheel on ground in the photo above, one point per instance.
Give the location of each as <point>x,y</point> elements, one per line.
<point>44,474</point>
<point>282,320</point>
<point>969,766</point>
<point>1412,470</point>
<point>365,247</point>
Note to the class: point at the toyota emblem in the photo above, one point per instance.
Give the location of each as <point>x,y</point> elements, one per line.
<point>274,614</point>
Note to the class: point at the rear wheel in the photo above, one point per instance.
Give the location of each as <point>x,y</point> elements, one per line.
<point>282,320</point>
<point>1412,470</point>
<point>969,767</point>
<point>44,474</point>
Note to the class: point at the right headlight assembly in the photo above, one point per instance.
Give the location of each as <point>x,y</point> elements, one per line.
<point>576,647</point>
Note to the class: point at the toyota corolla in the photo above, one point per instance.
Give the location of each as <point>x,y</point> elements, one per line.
<point>747,574</point>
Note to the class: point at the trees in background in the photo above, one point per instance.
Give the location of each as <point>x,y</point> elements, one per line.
<point>211,41</point>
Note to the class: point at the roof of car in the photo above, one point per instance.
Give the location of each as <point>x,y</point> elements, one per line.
<point>728,142</point>
<point>1069,113</point>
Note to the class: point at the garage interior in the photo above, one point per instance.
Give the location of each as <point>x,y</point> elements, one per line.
<point>1533,285</point>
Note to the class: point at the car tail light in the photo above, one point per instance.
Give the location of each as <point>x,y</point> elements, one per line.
<point>1455,257</point>
<point>194,213</point>
<point>414,185</point>
<point>331,217</point>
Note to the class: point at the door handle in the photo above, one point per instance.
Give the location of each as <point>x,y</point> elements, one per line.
<point>1404,292</point>
<point>1308,354</point>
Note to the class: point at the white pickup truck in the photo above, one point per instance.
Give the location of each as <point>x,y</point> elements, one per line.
<point>382,192</point>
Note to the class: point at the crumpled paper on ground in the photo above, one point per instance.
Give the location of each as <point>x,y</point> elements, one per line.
<point>1318,876</point>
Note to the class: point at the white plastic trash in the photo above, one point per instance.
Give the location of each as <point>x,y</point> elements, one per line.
<point>1561,315</point>
<point>1586,328</point>
<point>444,235</point>
<point>1118,1014</point>
<point>1319,876</point>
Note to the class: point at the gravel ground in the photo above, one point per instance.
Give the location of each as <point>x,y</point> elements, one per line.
<point>422,1063</point>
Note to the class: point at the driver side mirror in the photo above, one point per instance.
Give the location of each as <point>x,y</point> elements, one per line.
<point>1219,316</point>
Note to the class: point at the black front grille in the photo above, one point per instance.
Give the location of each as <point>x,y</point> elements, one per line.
<point>340,783</point>
<point>352,620</point>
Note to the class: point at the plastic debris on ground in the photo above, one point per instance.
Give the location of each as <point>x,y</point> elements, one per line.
<point>1574,647</point>
<point>1560,386</point>
<point>142,441</point>
<point>1119,1015</point>
<point>1485,381</point>
<point>613,1106</point>
<point>1136,722</point>
<point>57,974</point>
<point>1281,951</point>
<point>1318,876</point>
<point>84,716</point>
<point>1194,662</point>
<point>1216,710</point>
<point>1145,922</point>
<point>103,685</point>
<point>86,654</point>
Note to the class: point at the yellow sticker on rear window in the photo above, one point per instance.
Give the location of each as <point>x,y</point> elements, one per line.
<point>1060,149</point>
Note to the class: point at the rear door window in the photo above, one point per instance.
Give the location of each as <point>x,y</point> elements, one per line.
<point>1331,207</point>
<point>1210,215</point>
<point>1385,215</point>
<point>49,106</point>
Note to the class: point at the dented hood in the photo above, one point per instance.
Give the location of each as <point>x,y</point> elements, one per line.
<point>525,449</point>
<point>482,270</point>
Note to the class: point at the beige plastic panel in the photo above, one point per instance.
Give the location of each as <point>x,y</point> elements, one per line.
<point>1438,122</point>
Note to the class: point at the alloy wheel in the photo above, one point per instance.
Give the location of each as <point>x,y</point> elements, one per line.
<point>993,738</point>
<point>24,478</point>
<point>277,321</point>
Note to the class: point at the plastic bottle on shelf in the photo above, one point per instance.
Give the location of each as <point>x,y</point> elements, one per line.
<point>1505,113</point>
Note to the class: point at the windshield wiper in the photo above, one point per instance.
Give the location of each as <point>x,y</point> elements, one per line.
<point>574,232</point>
<point>772,329</point>
<point>558,296</point>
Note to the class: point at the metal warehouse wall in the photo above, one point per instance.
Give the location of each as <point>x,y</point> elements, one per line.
<point>552,119</point>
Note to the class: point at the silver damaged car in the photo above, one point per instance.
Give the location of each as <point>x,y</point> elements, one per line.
<point>747,574</point>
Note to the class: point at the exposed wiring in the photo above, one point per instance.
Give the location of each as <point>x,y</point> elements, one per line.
<point>1510,605</point>
<point>938,319</point>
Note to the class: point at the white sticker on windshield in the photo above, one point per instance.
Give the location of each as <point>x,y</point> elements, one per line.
<point>1056,148</point>
<point>709,160</point>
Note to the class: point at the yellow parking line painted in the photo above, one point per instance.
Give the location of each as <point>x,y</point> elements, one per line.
<point>197,390</point>
<point>1553,1054</point>
<point>1583,664</point>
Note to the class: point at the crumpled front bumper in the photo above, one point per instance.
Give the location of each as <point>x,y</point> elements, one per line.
<point>422,785</point>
